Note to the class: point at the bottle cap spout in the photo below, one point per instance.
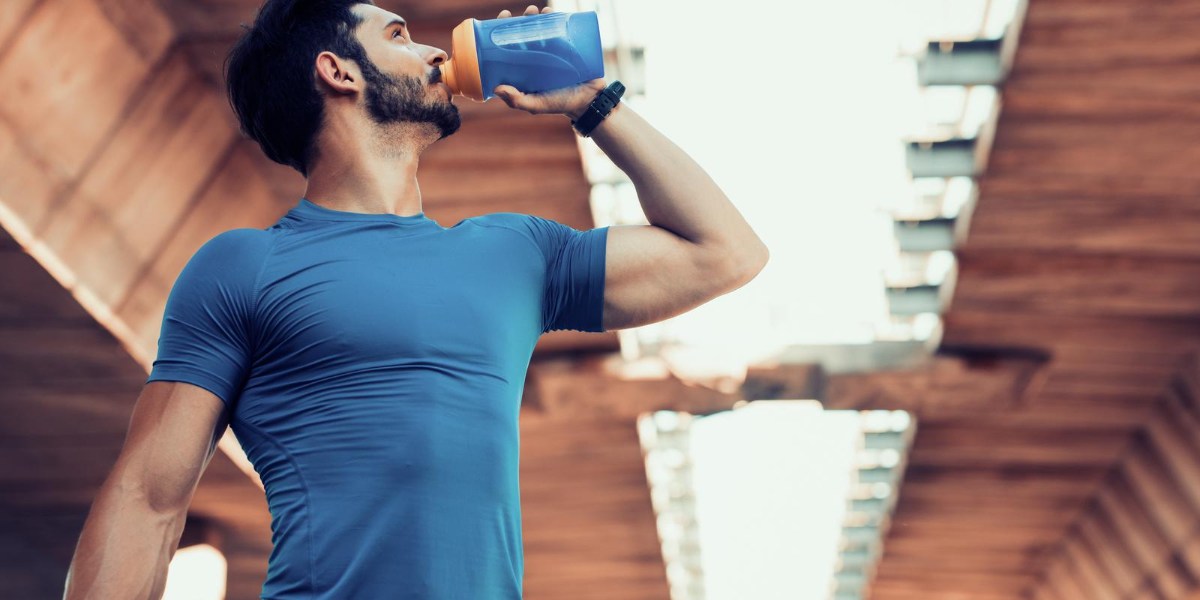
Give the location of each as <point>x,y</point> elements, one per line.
<point>449,77</point>
<point>461,72</point>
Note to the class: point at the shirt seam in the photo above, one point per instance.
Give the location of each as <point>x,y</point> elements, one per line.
<point>308,512</point>
<point>308,217</point>
<point>257,289</point>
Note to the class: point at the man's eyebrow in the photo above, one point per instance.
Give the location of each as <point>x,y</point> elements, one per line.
<point>400,22</point>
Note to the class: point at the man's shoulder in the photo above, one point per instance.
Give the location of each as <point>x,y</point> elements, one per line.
<point>538,231</point>
<point>502,219</point>
<point>234,251</point>
<point>245,239</point>
<point>511,221</point>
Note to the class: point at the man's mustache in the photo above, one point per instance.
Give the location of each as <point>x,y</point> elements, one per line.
<point>435,76</point>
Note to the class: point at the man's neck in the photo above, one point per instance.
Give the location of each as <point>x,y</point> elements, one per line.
<point>369,173</point>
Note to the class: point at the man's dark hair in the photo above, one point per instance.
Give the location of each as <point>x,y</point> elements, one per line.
<point>270,75</point>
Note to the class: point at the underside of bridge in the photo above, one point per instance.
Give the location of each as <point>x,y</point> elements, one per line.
<point>1056,456</point>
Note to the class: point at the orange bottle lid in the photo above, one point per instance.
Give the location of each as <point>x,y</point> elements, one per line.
<point>461,72</point>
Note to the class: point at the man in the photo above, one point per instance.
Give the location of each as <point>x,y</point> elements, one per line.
<point>370,361</point>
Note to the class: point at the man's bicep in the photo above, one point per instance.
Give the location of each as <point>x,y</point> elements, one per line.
<point>652,274</point>
<point>172,434</point>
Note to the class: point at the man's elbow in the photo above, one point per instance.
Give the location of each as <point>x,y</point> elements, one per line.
<point>754,260</point>
<point>741,265</point>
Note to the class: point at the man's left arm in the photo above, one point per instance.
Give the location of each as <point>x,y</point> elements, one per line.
<point>697,246</point>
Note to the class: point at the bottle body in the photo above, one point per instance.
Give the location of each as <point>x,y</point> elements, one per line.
<point>533,53</point>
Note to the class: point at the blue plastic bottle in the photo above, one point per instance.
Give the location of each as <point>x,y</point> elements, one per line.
<point>534,53</point>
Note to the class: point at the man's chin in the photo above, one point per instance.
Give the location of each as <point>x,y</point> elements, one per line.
<point>450,130</point>
<point>449,125</point>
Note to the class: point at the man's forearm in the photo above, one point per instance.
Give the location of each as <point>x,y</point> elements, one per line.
<point>675,192</point>
<point>124,549</point>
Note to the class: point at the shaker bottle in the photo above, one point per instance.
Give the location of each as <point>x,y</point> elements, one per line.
<point>531,53</point>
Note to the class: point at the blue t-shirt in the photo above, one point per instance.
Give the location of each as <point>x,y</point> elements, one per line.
<point>374,365</point>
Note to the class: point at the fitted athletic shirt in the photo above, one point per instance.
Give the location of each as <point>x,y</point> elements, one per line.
<point>373,365</point>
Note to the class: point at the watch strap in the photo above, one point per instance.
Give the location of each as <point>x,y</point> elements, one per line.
<point>600,108</point>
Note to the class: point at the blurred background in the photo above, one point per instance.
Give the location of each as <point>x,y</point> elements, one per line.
<point>969,371</point>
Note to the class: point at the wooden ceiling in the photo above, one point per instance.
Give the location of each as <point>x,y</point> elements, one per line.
<point>1084,245</point>
<point>1055,421</point>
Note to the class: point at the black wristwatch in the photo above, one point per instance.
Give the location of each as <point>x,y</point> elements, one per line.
<point>599,108</point>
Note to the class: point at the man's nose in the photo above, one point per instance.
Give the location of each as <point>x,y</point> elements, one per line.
<point>437,56</point>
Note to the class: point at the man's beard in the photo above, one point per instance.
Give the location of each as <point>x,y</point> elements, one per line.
<point>399,99</point>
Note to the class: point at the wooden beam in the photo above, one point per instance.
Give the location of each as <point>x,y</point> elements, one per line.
<point>584,387</point>
<point>1098,538</point>
<point>1056,282</point>
<point>1088,573</point>
<point>945,385</point>
<point>82,36</point>
<point>129,200</point>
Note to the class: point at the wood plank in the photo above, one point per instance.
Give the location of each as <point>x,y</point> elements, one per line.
<point>204,18</point>
<point>1120,211</point>
<point>73,80</point>
<point>1061,412</point>
<point>1170,338</point>
<point>128,202</point>
<point>994,446</point>
<point>1102,537</point>
<point>12,14</point>
<point>911,564</point>
<point>1088,572</point>
<point>1133,524</point>
<point>1074,149</point>
<point>31,182</point>
<point>70,354</point>
<point>1018,480</point>
<point>918,513</point>
<point>1065,581</point>
<point>1174,580</point>
<point>1153,484</point>
<point>579,387</point>
<point>1112,557</point>
<point>596,526</point>
<point>1052,282</point>
<point>946,385</point>
<point>1175,444</point>
<point>144,24</point>
<point>1097,35</point>
<point>23,273</point>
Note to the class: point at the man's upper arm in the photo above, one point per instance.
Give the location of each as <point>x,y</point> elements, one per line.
<point>652,274</point>
<point>573,265</point>
<point>172,435</point>
<point>208,328</point>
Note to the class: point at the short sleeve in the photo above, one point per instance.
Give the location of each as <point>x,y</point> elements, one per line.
<point>205,338</point>
<point>574,293</point>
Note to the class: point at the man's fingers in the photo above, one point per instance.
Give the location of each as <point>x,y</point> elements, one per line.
<point>508,94</point>
<point>529,10</point>
<point>514,98</point>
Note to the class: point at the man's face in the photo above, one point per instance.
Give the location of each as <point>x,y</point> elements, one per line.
<point>403,82</point>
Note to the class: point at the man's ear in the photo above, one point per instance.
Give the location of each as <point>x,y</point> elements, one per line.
<point>339,74</point>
